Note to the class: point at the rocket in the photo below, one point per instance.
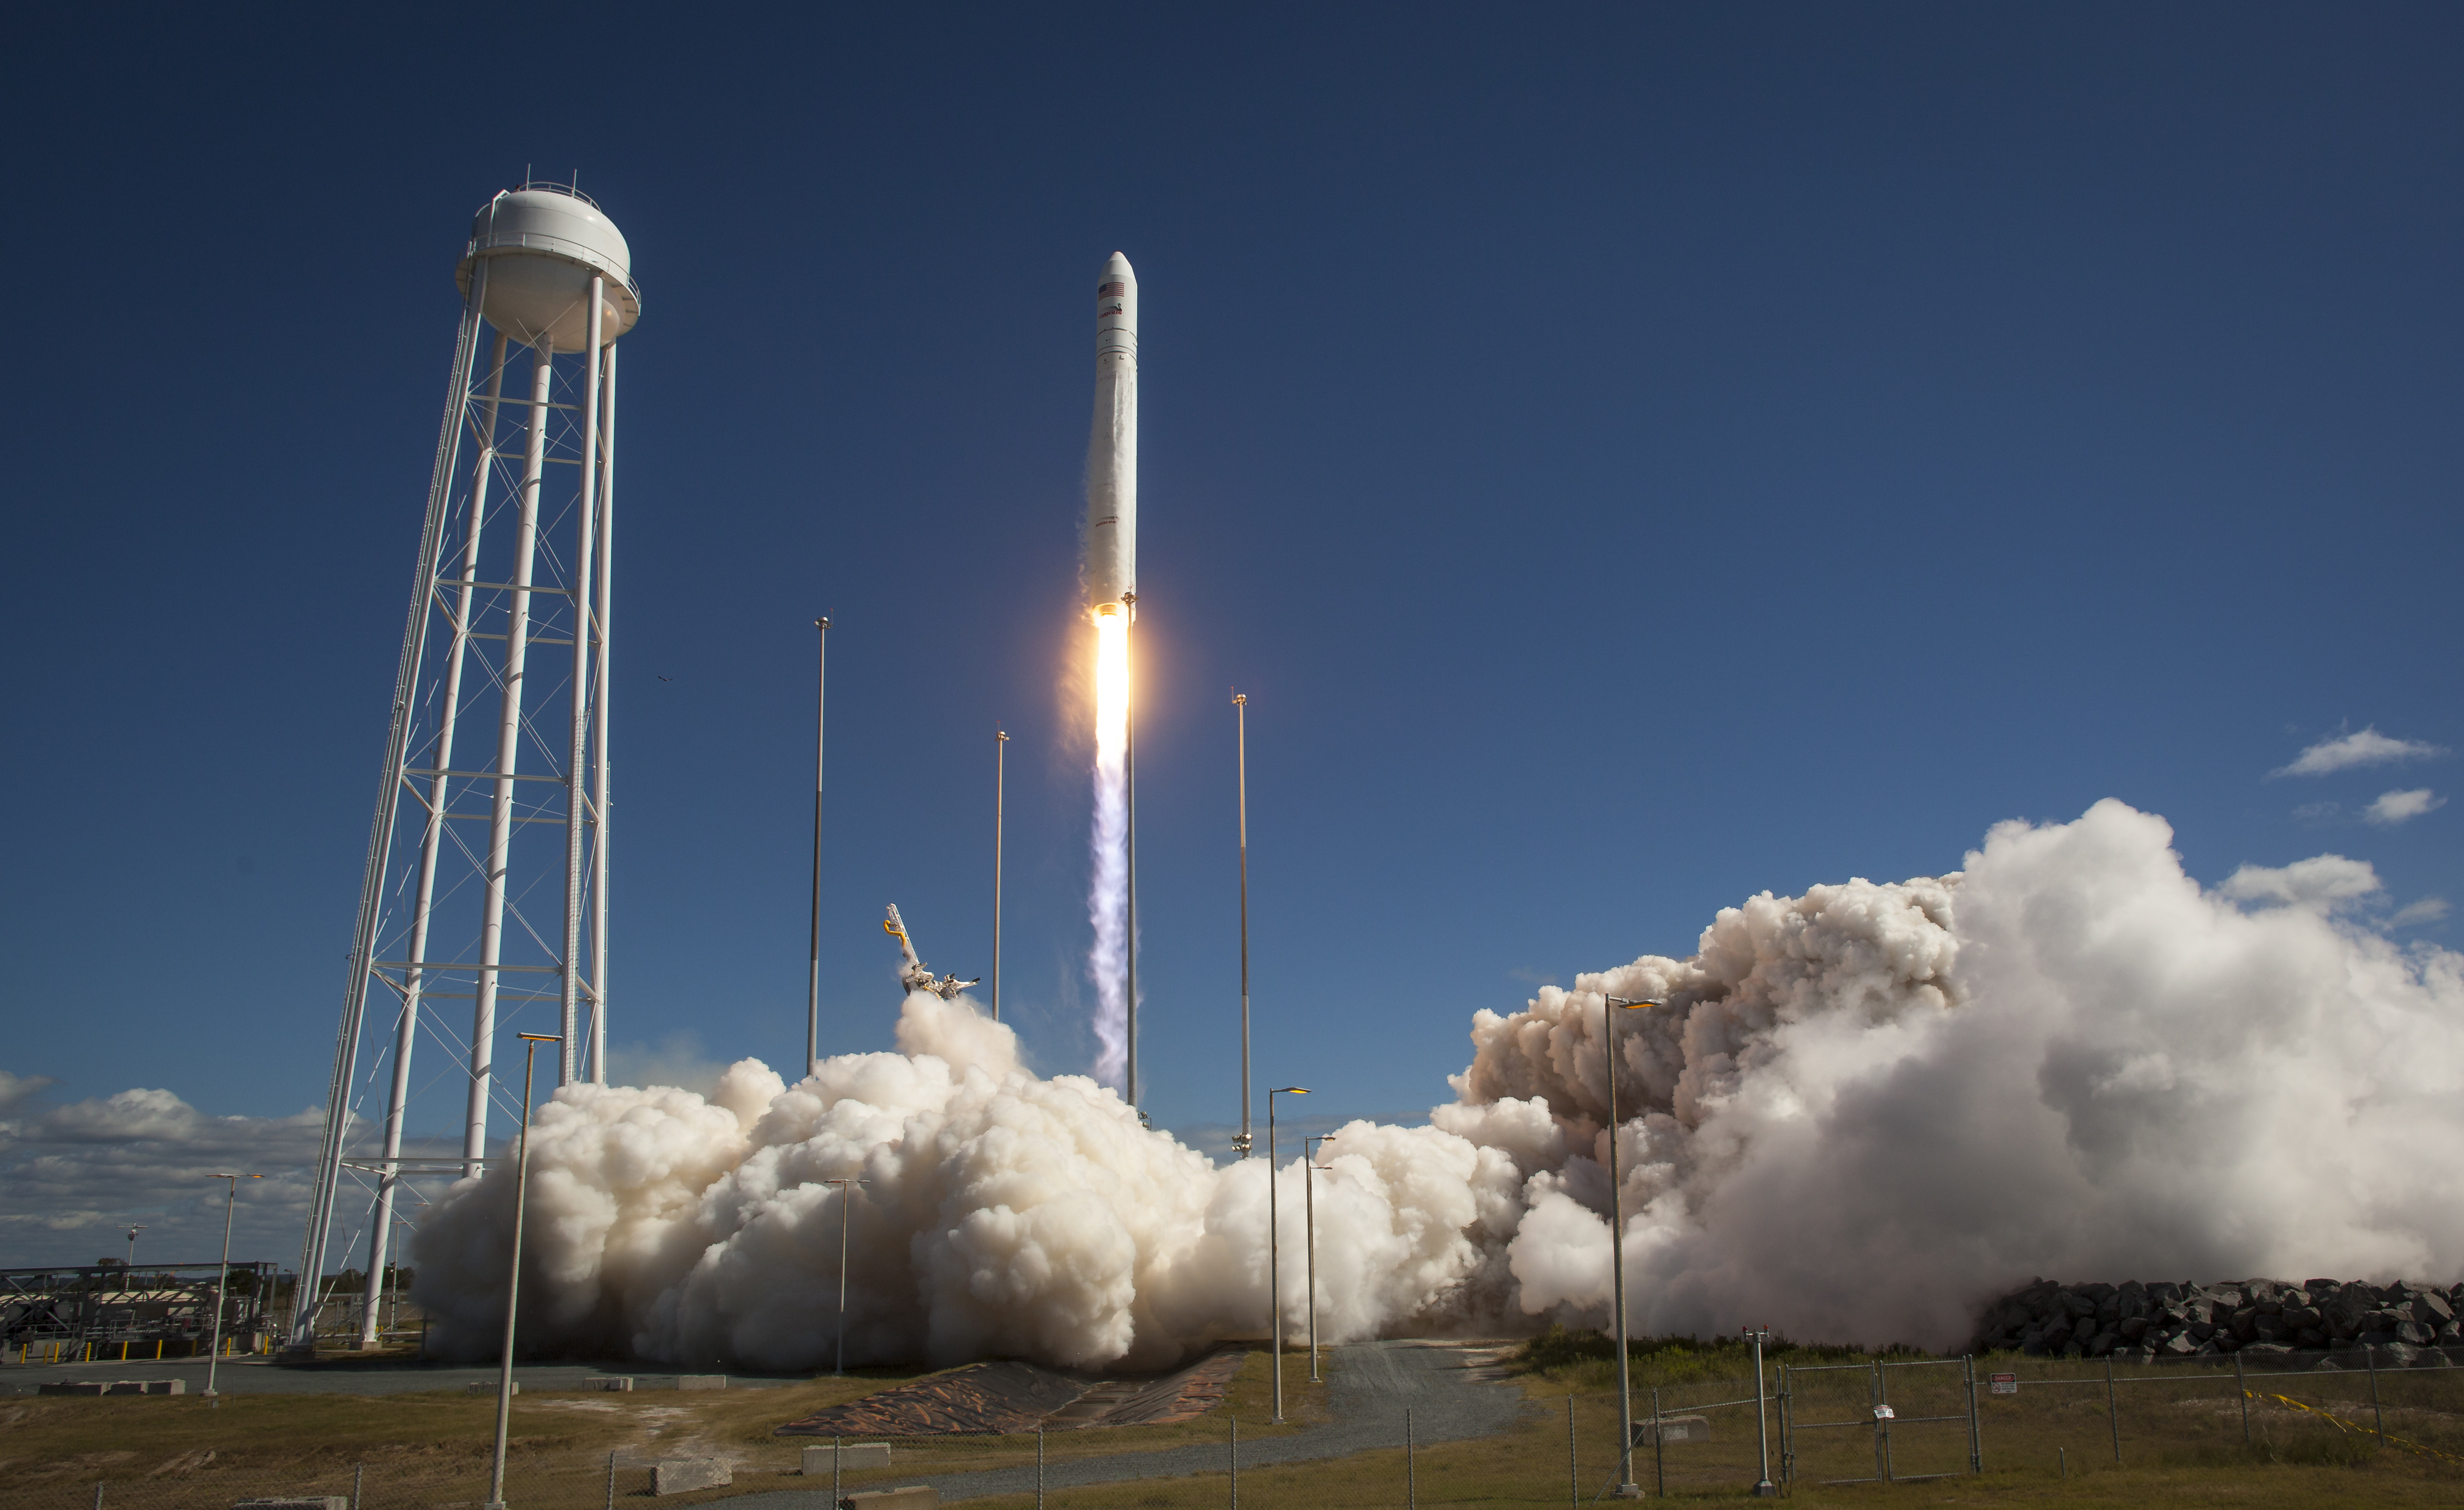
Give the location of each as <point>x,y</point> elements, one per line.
<point>1112,445</point>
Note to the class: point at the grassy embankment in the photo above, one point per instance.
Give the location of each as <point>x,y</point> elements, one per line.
<point>2181,1437</point>
<point>176,1453</point>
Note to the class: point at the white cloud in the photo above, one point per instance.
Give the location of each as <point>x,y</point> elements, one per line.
<point>15,1088</point>
<point>2317,811</point>
<point>2345,751</point>
<point>2329,882</point>
<point>2395,807</point>
<point>73,1176</point>
<point>2429,909</point>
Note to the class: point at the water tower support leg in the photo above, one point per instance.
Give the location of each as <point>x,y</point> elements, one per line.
<point>509,734</point>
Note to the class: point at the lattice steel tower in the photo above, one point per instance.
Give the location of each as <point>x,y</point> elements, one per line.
<point>497,893</point>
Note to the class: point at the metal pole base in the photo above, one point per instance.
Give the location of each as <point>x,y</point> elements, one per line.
<point>1766,1490</point>
<point>1626,1492</point>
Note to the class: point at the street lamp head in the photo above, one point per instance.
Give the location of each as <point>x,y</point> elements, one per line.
<point>1290,1090</point>
<point>540,1037</point>
<point>1620,1001</point>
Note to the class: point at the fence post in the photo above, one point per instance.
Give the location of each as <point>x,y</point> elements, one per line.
<point>1411,1471</point>
<point>1975,1432</point>
<point>611,1481</point>
<point>1881,1422</point>
<point>1039,1465</point>
<point>1659,1446</point>
<point>2241,1386</point>
<point>97,1496</point>
<point>2113,1407</point>
<point>2371,1354</point>
<point>1236,1459</point>
<point>834,1469</point>
<point>359,1474</point>
<point>1573,1474</point>
<point>1787,1432</point>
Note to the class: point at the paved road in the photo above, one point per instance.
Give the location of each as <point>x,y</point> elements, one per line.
<point>393,1376</point>
<point>1373,1384</point>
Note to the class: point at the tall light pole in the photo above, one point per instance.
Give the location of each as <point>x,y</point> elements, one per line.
<point>1627,1488</point>
<point>131,1263</point>
<point>514,1274</point>
<point>1310,1159</point>
<point>1241,716</point>
<point>846,1198</point>
<point>1764,1488</point>
<point>820,710</point>
<point>1274,1288</point>
<point>221,1284</point>
<point>1000,782</point>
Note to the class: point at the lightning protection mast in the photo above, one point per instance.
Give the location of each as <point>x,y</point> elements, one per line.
<point>487,868</point>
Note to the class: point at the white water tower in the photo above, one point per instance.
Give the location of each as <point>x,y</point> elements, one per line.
<point>487,869</point>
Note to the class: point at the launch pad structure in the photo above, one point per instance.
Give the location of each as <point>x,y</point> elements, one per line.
<point>486,879</point>
<point>105,1312</point>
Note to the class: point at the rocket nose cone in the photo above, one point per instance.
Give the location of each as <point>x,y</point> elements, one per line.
<point>1118,267</point>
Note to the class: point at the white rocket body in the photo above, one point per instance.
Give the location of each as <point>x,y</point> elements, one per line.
<point>1112,446</point>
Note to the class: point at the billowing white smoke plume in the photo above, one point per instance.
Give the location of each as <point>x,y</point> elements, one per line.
<point>1862,1111</point>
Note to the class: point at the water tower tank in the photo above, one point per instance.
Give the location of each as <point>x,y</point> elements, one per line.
<point>542,244</point>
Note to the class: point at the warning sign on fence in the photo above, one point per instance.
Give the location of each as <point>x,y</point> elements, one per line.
<point>2006,1384</point>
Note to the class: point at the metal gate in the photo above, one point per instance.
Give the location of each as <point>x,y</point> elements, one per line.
<point>1906,1410</point>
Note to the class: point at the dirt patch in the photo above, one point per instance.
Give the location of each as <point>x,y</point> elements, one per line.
<point>992,1398</point>
<point>185,1463</point>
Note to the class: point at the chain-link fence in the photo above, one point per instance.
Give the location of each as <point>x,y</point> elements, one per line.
<point>1887,1419</point>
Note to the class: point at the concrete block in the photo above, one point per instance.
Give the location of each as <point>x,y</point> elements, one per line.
<point>701,1381</point>
<point>915,1496</point>
<point>673,1475</point>
<point>485,1387</point>
<point>301,1503</point>
<point>620,1383</point>
<point>851,1456</point>
<point>1674,1429</point>
<point>72,1386</point>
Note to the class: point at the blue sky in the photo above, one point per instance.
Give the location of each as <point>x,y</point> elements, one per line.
<point>1631,457</point>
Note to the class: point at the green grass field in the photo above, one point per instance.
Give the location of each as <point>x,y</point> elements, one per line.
<point>2181,1437</point>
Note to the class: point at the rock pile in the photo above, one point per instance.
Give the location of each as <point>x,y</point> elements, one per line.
<point>2136,1322</point>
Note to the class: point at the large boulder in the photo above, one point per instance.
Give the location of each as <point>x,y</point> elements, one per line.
<point>2343,1310</point>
